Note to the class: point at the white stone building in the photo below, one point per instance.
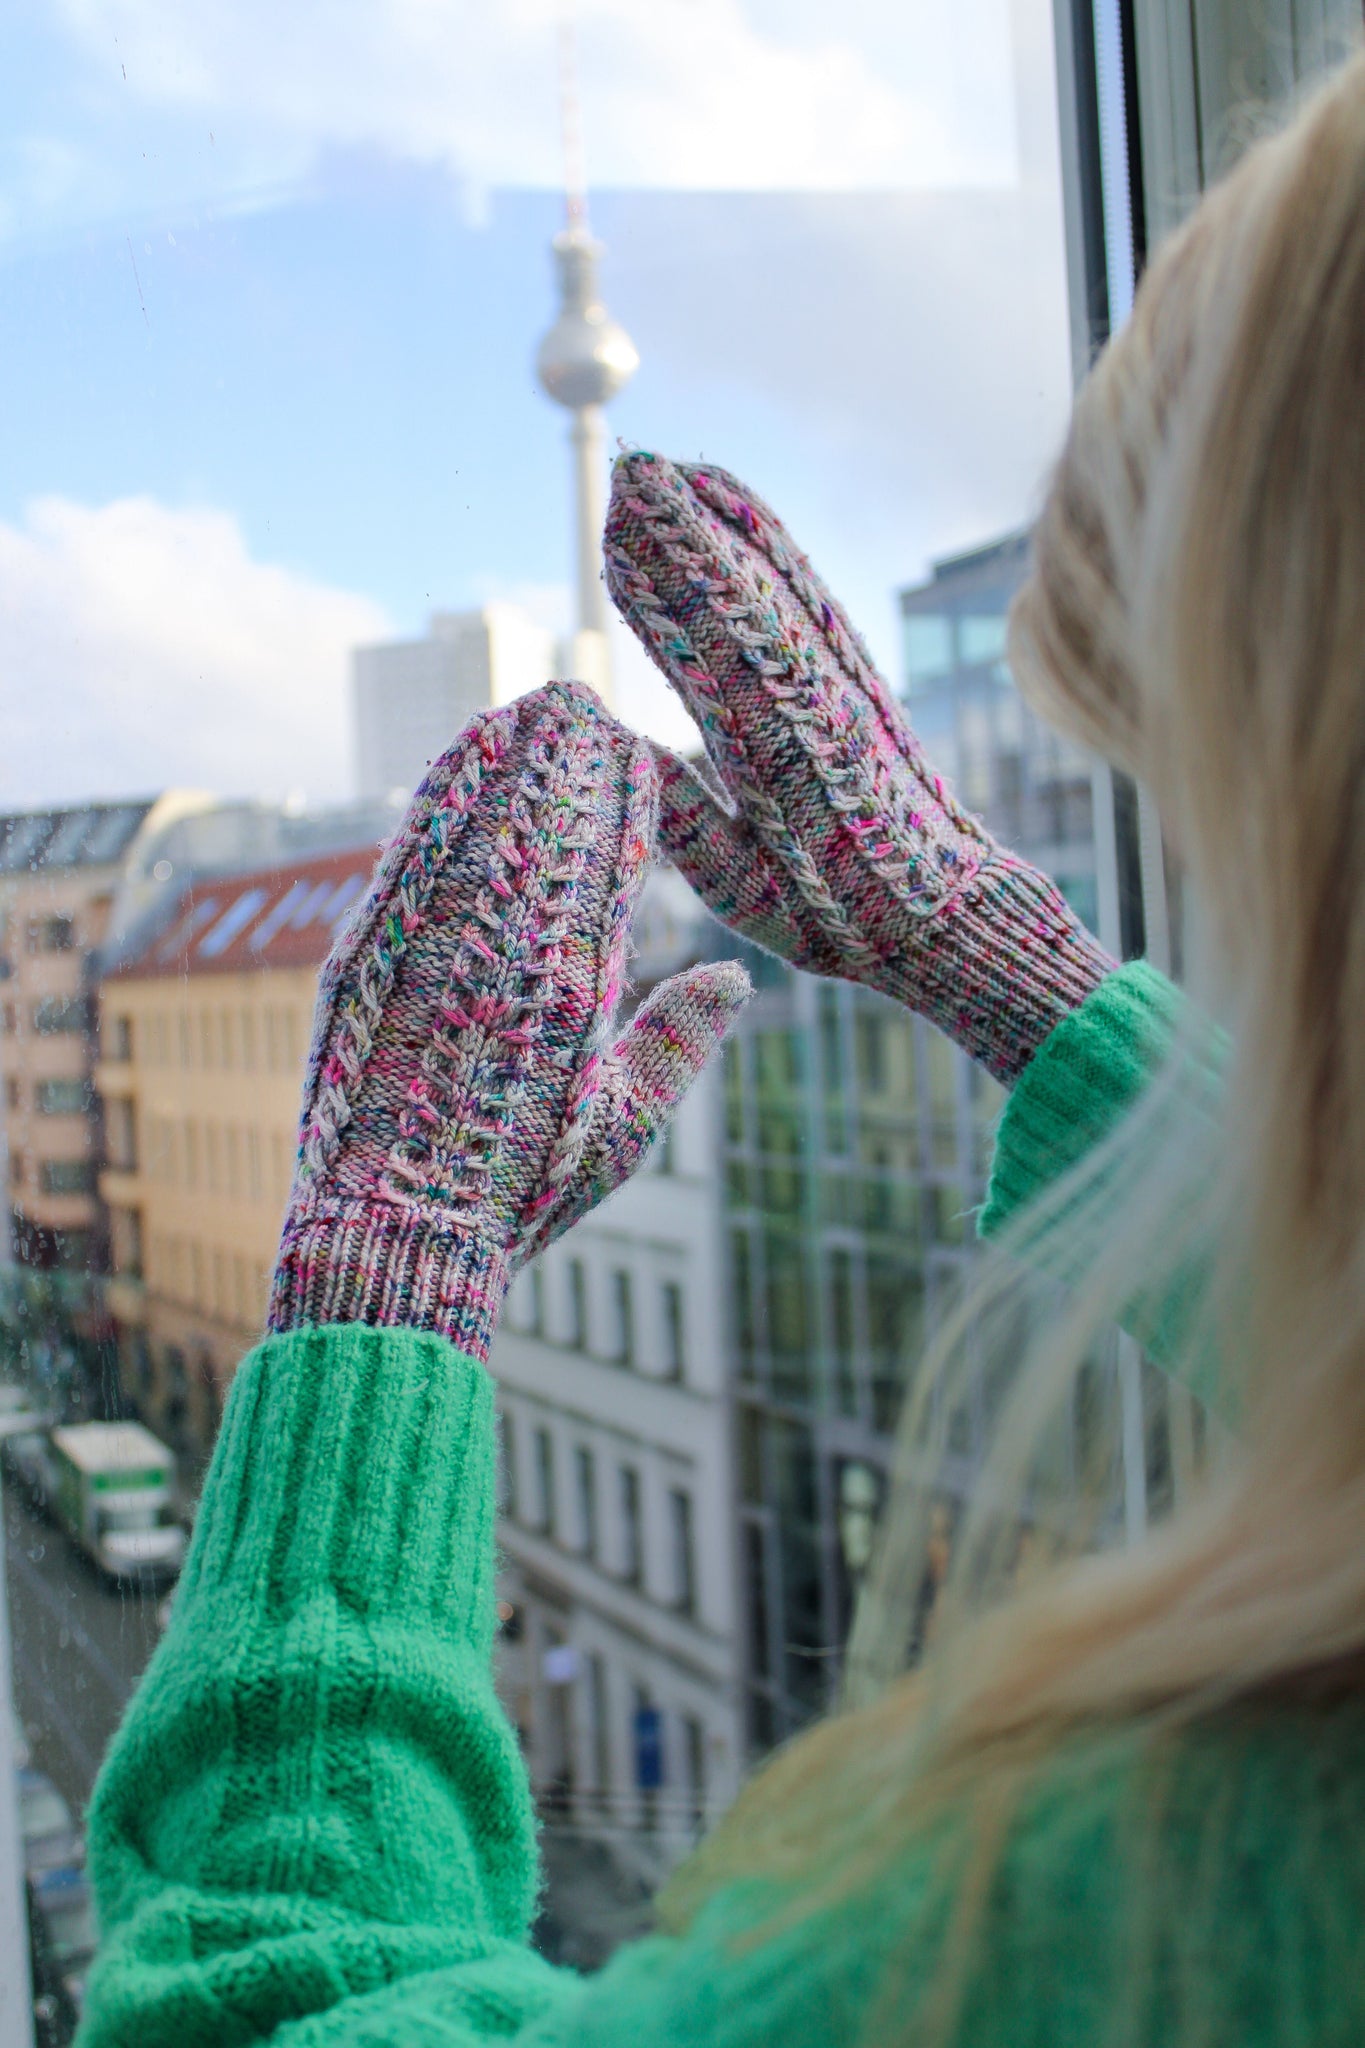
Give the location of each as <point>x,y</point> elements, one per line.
<point>411,697</point>
<point>619,1663</point>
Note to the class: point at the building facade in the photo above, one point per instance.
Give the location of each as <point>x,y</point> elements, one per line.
<point>411,697</point>
<point>59,874</point>
<point>204,1036</point>
<point>621,1667</point>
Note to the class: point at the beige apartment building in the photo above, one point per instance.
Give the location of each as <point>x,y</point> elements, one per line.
<point>204,1038</point>
<point>59,873</point>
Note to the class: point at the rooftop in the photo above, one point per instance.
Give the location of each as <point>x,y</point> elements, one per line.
<point>110,1447</point>
<point>90,836</point>
<point>279,917</point>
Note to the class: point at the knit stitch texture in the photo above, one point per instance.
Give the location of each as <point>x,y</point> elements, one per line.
<point>463,1102</point>
<point>828,838</point>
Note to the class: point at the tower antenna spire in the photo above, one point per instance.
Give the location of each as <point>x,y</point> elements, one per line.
<point>584,360</point>
<point>571,128</point>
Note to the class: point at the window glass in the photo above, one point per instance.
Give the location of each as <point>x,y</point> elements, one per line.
<point>981,638</point>
<point>928,648</point>
<point>285,504</point>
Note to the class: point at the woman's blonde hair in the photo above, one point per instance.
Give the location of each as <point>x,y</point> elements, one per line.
<point>1196,613</point>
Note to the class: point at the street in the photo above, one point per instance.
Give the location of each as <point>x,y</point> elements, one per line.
<point>78,1648</point>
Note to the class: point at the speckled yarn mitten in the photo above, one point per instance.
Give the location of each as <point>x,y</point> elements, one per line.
<point>830,840</point>
<point>463,1104</point>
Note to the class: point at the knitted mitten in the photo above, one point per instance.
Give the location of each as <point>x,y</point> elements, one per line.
<point>462,1104</point>
<point>829,840</point>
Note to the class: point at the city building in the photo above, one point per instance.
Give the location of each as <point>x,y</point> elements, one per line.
<point>1033,788</point>
<point>60,872</point>
<point>856,1144</point>
<point>411,697</point>
<point>204,1035</point>
<point>621,1664</point>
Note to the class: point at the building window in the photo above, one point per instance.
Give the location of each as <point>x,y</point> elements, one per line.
<point>578,1305</point>
<point>928,648</point>
<point>125,1231</point>
<point>675,1349</point>
<point>601,1724</point>
<point>665,1152</point>
<point>981,638</point>
<point>507,1467</point>
<point>632,1548</point>
<point>535,1283</point>
<point>11,1019</point>
<point>248,1023</point>
<point>623,1313</point>
<point>52,935</point>
<point>61,1013</point>
<point>684,1551</point>
<point>67,1176</point>
<point>545,1477</point>
<point>121,1131</point>
<point>871,1045</point>
<point>16,1169</point>
<point>585,1476</point>
<point>649,1757</point>
<point>119,1040</point>
<point>694,1764</point>
<point>13,1093</point>
<point>62,1098</point>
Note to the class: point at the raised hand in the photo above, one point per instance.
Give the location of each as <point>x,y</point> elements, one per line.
<point>823,834</point>
<point>464,1101</point>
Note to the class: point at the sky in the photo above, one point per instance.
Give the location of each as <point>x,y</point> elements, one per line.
<point>271,282</point>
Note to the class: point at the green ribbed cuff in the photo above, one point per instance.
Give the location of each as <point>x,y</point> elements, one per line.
<point>357,1461</point>
<point>1083,1079</point>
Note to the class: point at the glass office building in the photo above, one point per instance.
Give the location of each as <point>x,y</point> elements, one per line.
<point>857,1142</point>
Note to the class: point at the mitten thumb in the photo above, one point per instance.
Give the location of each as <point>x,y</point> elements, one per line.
<point>648,1071</point>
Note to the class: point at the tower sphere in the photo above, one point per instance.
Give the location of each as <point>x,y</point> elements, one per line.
<point>586,358</point>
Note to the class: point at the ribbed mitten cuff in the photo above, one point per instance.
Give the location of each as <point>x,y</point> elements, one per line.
<point>1086,1075</point>
<point>1030,963</point>
<point>358,1462</point>
<point>376,1263</point>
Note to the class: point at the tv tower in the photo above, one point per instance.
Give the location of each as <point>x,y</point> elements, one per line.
<point>584,360</point>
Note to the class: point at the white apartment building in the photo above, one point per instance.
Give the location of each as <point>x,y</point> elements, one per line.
<point>411,697</point>
<point>619,1661</point>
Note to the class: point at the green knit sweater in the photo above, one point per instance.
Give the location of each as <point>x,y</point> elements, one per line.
<point>314,1825</point>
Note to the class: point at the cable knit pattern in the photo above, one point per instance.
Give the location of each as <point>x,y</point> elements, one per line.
<point>830,840</point>
<point>463,1105</point>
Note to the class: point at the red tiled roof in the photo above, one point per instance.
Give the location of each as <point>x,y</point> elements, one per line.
<point>285,917</point>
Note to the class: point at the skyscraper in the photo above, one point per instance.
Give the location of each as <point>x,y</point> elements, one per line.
<point>411,697</point>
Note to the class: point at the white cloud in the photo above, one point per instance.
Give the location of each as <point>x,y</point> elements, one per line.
<point>699,94</point>
<point>143,646</point>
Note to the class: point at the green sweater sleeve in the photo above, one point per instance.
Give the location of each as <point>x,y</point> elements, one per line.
<point>1086,1076</point>
<point>315,1793</point>
<point>313,1827</point>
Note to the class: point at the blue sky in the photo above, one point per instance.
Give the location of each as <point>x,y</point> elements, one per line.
<point>269,394</point>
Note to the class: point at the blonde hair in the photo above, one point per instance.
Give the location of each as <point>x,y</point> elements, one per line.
<point>1196,612</point>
